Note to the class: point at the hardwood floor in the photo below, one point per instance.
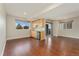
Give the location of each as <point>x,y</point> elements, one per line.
<point>50,47</point>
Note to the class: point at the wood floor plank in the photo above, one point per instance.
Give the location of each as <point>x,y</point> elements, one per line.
<point>59,46</point>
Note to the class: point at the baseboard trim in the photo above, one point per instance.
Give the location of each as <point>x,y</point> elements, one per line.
<point>19,38</point>
<point>23,38</point>
<point>67,37</point>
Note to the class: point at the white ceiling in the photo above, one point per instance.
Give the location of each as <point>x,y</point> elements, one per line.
<point>52,11</point>
<point>18,9</point>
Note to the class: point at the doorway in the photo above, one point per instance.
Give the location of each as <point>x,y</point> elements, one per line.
<point>49,30</point>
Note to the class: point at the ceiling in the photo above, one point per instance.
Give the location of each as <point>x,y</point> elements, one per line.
<point>54,11</point>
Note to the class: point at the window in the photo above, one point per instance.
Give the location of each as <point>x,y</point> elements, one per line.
<point>22,24</point>
<point>68,25</point>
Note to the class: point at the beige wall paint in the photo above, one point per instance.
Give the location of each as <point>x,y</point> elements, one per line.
<point>2,29</point>
<point>12,32</point>
<point>74,32</point>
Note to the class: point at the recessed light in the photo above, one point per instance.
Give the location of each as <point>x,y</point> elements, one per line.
<point>25,13</point>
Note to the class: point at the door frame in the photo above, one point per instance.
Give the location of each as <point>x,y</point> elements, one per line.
<point>51,29</point>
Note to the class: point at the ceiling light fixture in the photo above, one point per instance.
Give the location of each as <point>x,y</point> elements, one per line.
<point>25,13</point>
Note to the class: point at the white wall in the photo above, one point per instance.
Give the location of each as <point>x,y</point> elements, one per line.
<point>12,32</point>
<point>2,29</point>
<point>55,28</point>
<point>74,32</point>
